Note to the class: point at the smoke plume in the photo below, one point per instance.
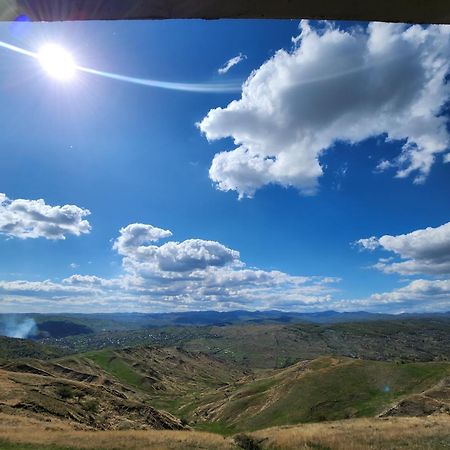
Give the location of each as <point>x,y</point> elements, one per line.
<point>18,328</point>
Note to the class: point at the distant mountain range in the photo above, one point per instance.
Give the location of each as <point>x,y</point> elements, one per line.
<point>62,325</point>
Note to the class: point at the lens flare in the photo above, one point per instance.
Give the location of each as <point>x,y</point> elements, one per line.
<point>57,62</point>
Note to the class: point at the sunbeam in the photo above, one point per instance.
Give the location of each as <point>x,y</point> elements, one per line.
<point>59,64</point>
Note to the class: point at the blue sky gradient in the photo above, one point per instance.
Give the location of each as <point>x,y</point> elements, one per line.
<point>134,154</point>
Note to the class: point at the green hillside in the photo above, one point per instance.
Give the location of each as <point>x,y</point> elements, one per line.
<point>13,348</point>
<point>323,389</point>
<point>172,376</point>
<point>268,346</point>
<point>111,362</point>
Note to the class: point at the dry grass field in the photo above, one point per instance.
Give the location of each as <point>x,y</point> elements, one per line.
<point>57,435</point>
<point>412,433</point>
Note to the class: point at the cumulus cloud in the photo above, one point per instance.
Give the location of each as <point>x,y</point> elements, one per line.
<point>417,296</point>
<point>136,235</point>
<point>26,219</point>
<point>368,243</point>
<point>203,274</point>
<point>194,274</point>
<point>231,63</point>
<point>189,255</point>
<point>335,85</point>
<point>89,281</point>
<point>425,251</point>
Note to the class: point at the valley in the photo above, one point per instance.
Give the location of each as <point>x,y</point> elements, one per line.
<point>213,381</point>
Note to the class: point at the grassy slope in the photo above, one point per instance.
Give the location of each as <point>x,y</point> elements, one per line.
<point>12,348</point>
<point>325,389</point>
<point>171,376</point>
<point>329,388</point>
<point>109,361</point>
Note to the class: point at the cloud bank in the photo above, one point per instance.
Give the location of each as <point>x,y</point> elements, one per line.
<point>31,219</point>
<point>166,275</point>
<point>425,251</point>
<point>387,80</point>
<point>194,274</point>
<point>417,296</point>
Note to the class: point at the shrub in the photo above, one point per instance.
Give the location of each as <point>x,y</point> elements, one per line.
<point>91,405</point>
<point>184,421</point>
<point>247,442</point>
<point>65,392</point>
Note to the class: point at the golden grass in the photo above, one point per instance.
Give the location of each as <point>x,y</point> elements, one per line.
<point>413,433</point>
<point>26,430</point>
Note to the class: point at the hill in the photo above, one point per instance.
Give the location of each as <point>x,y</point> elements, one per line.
<point>88,398</point>
<point>12,348</point>
<point>111,389</point>
<point>171,376</point>
<point>173,389</point>
<point>324,389</point>
<point>52,325</point>
<point>75,324</point>
<point>263,346</point>
<point>277,346</point>
<point>431,401</point>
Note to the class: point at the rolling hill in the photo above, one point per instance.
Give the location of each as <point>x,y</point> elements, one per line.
<point>229,379</point>
<point>172,376</point>
<point>324,389</point>
<point>87,397</point>
<point>76,324</point>
<point>111,389</point>
<point>13,348</point>
<point>265,346</point>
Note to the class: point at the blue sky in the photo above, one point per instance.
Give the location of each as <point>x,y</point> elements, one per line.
<point>334,146</point>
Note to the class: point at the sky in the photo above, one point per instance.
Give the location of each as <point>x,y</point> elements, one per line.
<point>298,166</point>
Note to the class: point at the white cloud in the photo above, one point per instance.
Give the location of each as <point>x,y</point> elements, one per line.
<point>137,234</point>
<point>202,274</point>
<point>41,288</point>
<point>189,255</point>
<point>231,63</point>
<point>368,243</point>
<point>335,85</point>
<point>194,274</point>
<point>384,165</point>
<point>425,251</point>
<point>34,219</point>
<point>417,296</point>
<point>89,281</point>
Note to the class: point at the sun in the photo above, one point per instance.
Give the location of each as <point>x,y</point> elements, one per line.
<point>57,62</point>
